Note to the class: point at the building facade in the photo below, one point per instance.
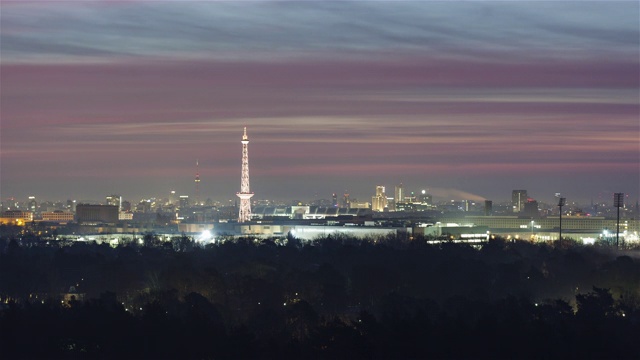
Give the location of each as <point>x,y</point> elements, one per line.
<point>379,201</point>
<point>518,199</point>
<point>572,226</point>
<point>16,217</point>
<point>94,214</point>
<point>399,194</point>
<point>58,216</point>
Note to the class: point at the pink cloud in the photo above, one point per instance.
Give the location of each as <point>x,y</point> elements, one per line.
<point>152,120</point>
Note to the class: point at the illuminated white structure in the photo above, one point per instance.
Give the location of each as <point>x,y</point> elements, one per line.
<point>245,193</point>
<point>379,202</point>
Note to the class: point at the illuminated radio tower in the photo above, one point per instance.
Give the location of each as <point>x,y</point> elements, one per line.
<point>245,194</point>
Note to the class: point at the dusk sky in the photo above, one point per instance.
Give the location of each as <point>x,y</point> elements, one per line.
<point>467,99</point>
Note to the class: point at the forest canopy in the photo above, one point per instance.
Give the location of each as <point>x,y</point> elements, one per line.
<point>337,297</point>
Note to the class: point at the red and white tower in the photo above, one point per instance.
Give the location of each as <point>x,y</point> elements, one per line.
<point>245,193</point>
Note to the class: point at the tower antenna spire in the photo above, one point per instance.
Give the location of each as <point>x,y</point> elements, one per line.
<point>197,182</point>
<point>245,193</point>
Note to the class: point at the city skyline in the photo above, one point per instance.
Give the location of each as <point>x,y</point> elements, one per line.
<point>469,99</point>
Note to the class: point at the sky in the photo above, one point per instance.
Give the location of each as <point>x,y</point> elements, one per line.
<point>469,100</point>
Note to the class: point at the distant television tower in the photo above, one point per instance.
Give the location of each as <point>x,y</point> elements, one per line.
<point>197,183</point>
<point>245,193</point>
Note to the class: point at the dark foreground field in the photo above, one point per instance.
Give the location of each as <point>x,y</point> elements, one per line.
<point>335,298</point>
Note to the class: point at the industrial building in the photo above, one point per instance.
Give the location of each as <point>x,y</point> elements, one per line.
<point>544,229</point>
<point>305,212</point>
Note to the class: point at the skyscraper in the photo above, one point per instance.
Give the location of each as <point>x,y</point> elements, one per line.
<point>184,202</point>
<point>115,200</point>
<point>488,208</point>
<point>399,195</point>
<point>245,193</point>
<point>379,201</point>
<point>33,204</point>
<point>518,199</point>
<point>346,202</point>
<point>530,209</point>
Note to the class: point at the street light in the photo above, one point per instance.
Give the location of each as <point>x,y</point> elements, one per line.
<point>532,222</point>
<point>618,202</point>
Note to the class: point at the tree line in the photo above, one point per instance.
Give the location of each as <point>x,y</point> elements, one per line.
<point>336,297</point>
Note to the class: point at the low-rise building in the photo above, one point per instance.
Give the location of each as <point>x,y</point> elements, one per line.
<point>547,228</point>
<point>16,217</point>
<point>58,216</point>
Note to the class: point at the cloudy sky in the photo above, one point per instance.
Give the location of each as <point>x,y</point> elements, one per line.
<point>468,99</point>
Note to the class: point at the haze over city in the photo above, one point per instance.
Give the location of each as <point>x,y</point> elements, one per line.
<point>467,99</point>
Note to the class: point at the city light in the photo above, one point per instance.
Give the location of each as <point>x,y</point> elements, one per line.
<point>205,237</point>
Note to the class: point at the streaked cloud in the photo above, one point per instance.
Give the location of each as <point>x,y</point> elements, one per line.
<point>86,31</point>
<point>480,96</point>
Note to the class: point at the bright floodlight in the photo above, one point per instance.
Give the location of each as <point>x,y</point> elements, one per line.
<point>205,236</point>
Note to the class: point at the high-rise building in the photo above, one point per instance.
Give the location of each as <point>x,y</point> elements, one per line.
<point>125,206</point>
<point>488,208</point>
<point>518,199</point>
<point>33,204</point>
<point>390,203</point>
<point>334,202</point>
<point>115,200</point>
<point>184,202</point>
<point>346,202</point>
<point>245,193</point>
<point>399,194</point>
<point>144,206</point>
<point>530,209</point>
<point>71,205</point>
<point>379,201</point>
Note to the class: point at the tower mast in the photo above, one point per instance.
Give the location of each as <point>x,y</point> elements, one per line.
<point>197,183</point>
<point>245,193</point>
